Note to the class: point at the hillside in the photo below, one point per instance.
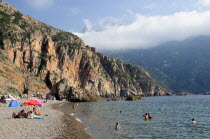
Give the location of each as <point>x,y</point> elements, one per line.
<point>179,66</point>
<point>61,63</point>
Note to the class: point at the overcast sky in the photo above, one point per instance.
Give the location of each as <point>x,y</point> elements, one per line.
<point>116,24</point>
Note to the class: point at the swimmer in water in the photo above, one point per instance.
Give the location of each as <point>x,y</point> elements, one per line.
<point>149,116</point>
<point>117,126</point>
<point>193,121</point>
<point>146,116</point>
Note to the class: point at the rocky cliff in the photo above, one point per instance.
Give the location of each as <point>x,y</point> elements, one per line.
<point>62,63</point>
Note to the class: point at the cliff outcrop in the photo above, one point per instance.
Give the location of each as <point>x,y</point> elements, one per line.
<point>64,64</point>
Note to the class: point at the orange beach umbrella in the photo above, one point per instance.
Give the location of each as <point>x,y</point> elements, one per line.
<point>32,102</point>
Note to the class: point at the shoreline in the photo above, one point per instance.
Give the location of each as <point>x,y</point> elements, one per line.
<point>75,129</point>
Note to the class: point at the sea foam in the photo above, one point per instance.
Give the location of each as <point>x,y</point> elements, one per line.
<point>78,120</point>
<point>72,114</point>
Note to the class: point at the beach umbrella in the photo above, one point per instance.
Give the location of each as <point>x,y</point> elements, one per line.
<point>32,102</point>
<point>14,103</point>
<point>40,102</point>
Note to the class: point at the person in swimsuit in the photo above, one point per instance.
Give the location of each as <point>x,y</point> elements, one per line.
<point>20,114</point>
<point>117,126</point>
<point>149,116</point>
<point>37,112</point>
<point>193,121</point>
<point>146,116</point>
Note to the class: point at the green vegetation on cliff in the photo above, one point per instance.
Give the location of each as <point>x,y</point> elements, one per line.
<point>5,18</point>
<point>63,36</point>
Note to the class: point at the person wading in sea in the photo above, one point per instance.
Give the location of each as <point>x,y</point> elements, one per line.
<point>117,126</point>
<point>149,116</point>
<point>193,121</point>
<point>146,116</point>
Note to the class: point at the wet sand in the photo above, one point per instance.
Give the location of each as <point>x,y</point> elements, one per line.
<point>75,129</point>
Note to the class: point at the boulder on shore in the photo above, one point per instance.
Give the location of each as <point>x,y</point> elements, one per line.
<point>62,90</point>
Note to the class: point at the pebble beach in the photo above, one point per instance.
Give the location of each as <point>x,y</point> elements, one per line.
<point>57,125</point>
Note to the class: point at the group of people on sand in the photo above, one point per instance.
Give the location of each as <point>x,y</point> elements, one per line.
<point>29,114</point>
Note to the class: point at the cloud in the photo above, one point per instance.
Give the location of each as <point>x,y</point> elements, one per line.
<point>40,3</point>
<point>204,2</point>
<point>88,25</point>
<point>147,31</point>
<point>106,22</point>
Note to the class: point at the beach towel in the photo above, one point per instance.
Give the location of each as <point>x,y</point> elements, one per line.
<point>38,118</point>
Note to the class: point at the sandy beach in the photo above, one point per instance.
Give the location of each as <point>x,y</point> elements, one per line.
<point>57,125</point>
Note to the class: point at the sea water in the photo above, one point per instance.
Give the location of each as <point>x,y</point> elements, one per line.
<point>172,117</point>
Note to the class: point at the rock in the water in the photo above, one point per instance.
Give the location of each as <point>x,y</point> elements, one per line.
<point>115,99</point>
<point>207,93</point>
<point>134,98</point>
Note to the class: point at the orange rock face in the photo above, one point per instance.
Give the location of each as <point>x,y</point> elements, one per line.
<point>53,55</point>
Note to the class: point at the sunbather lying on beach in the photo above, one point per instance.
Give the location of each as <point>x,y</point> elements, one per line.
<point>20,114</point>
<point>37,112</point>
<point>29,114</point>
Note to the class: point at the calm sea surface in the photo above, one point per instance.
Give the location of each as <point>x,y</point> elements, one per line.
<point>171,118</point>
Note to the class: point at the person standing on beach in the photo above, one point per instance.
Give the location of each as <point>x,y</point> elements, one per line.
<point>73,105</point>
